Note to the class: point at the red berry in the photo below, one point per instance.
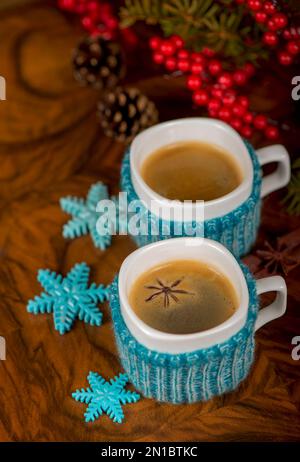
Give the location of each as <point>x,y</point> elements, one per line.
<point>106,10</point>
<point>240,2</point>
<point>171,63</point>
<point>293,47</point>
<point>112,23</point>
<point>193,82</point>
<point>225,80</point>
<point>295,32</point>
<point>238,110</point>
<point>93,6</point>
<point>87,22</point>
<point>285,58</point>
<point>229,98</point>
<point>200,97</point>
<point>80,9</point>
<point>243,101</point>
<point>154,43</point>
<point>260,122</point>
<point>261,17</point>
<point>198,58</point>
<point>280,20</point>
<point>248,118</point>
<point>271,24</point>
<point>214,106</point>
<point>197,68</point>
<point>246,131</point>
<point>208,52</point>
<point>217,92</point>
<point>167,48</point>
<point>183,65</point>
<point>287,34</point>
<point>249,69</point>
<point>270,39</point>
<point>254,5</point>
<point>177,41</point>
<point>66,3</point>
<point>215,67</point>
<point>225,113</point>
<point>271,132</point>
<point>236,124</point>
<point>158,58</point>
<point>183,54</point>
<point>269,7</point>
<point>240,77</point>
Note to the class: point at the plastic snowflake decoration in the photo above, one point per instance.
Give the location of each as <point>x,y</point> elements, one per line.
<point>105,397</point>
<point>68,298</point>
<point>85,216</point>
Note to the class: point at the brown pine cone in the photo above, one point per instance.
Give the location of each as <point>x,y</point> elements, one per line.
<point>98,62</point>
<point>125,112</point>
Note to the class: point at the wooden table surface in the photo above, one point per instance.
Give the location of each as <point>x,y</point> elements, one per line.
<point>51,146</point>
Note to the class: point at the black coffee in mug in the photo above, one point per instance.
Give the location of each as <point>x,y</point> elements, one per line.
<point>183,297</point>
<point>191,170</point>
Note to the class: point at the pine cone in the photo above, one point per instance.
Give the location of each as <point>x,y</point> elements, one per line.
<point>98,62</point>
<point>125,112</point>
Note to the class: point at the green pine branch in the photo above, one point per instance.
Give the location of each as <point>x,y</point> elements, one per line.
<point>200,23</point>
<point>292,199</point>
<point>140,10</point>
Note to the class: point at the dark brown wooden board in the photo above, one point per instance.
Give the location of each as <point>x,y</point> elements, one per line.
<point>51,146</point>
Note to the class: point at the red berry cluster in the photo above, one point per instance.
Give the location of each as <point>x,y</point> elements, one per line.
<point>97,17</point>
<point>275,23</point>
<point>212,86</point>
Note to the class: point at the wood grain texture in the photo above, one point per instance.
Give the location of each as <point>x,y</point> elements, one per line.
<point>8,4</point>
<point>51,146</point>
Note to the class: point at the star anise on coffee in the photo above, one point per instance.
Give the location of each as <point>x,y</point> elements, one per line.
<point>168,292</point>
<point>283,256</point>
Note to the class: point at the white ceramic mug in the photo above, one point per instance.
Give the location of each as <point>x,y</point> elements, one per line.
<point>214,254</point>
<point>211,131</point>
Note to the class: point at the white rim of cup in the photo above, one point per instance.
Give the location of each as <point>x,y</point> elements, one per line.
<point>212,208</point>
<point>181,343</point>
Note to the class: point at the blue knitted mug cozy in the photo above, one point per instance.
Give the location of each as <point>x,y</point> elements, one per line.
<point>187,377</point>
<point>236,230</point>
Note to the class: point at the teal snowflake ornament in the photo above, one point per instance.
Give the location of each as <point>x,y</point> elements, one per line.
<point>105,397</point>
<point>69,298</point>
<point>85,216</point>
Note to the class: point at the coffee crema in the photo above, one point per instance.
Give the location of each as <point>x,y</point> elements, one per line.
<point>191,170</point>
<point>183,297</point>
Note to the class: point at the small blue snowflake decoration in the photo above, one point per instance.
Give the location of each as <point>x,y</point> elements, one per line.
<point>85,216</point>
<point>68,298</point>
<point>106,397</point>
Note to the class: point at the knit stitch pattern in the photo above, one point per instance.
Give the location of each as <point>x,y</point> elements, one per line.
<point>187,377</point>
<point>236,230</point>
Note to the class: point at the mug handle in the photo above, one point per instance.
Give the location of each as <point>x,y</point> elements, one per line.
<point>282,175</point>
<point>278,307</point>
